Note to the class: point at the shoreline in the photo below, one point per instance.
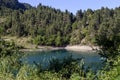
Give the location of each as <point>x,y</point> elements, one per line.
<point>23,41</point>
<point>82,48</point>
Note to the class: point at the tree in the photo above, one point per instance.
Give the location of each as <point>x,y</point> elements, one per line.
<point>58,40</point>
<point>79,15</point>
<point>109,39</point>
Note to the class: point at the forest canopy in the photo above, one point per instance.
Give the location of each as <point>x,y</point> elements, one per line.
<point>53,27</point>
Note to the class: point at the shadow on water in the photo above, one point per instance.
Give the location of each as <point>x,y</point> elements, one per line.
<point>90,59</point>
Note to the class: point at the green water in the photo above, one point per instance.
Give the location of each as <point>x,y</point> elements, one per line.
<point>91,59</point>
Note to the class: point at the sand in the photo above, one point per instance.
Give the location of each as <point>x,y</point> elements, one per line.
<point>69,48</point>
<point>81,48</point>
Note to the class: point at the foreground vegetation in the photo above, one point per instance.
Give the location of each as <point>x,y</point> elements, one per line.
<point>11,68</point>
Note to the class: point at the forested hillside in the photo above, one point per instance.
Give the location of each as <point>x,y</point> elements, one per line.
<point>53,27</point>
<point>14,4</point>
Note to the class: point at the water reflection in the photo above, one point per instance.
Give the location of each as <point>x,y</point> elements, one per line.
<point>91,59</point>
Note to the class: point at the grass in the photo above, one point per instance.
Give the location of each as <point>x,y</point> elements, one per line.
<point>21,41</point>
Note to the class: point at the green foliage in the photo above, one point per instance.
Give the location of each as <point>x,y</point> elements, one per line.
<point>58,41</point>
<point>68,67</point>
<point>7,48</point>
<point>109,39</point>
<point>49,26</point>
<point>76,37</point>
<point>38,40</point>
<point>1,31</point>
<point>111,73</point>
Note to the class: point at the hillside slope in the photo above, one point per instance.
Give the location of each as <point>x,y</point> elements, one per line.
<point>13,4</point>
<point>53,27</point>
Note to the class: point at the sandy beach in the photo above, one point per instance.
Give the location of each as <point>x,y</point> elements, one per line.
<point>71,48</point>
<point>81,48</point>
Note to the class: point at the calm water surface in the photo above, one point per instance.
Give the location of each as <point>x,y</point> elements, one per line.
<point>91,59</point>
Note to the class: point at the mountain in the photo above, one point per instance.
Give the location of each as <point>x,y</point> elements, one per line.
<point>14,4</point>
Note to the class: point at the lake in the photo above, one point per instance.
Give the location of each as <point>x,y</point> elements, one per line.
<point>91,59</point>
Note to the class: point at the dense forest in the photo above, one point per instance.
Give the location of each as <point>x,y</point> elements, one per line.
<point>50,26</point>
<point>53,27</point>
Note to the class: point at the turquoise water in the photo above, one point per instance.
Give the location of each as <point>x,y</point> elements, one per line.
<point>91,59</point>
